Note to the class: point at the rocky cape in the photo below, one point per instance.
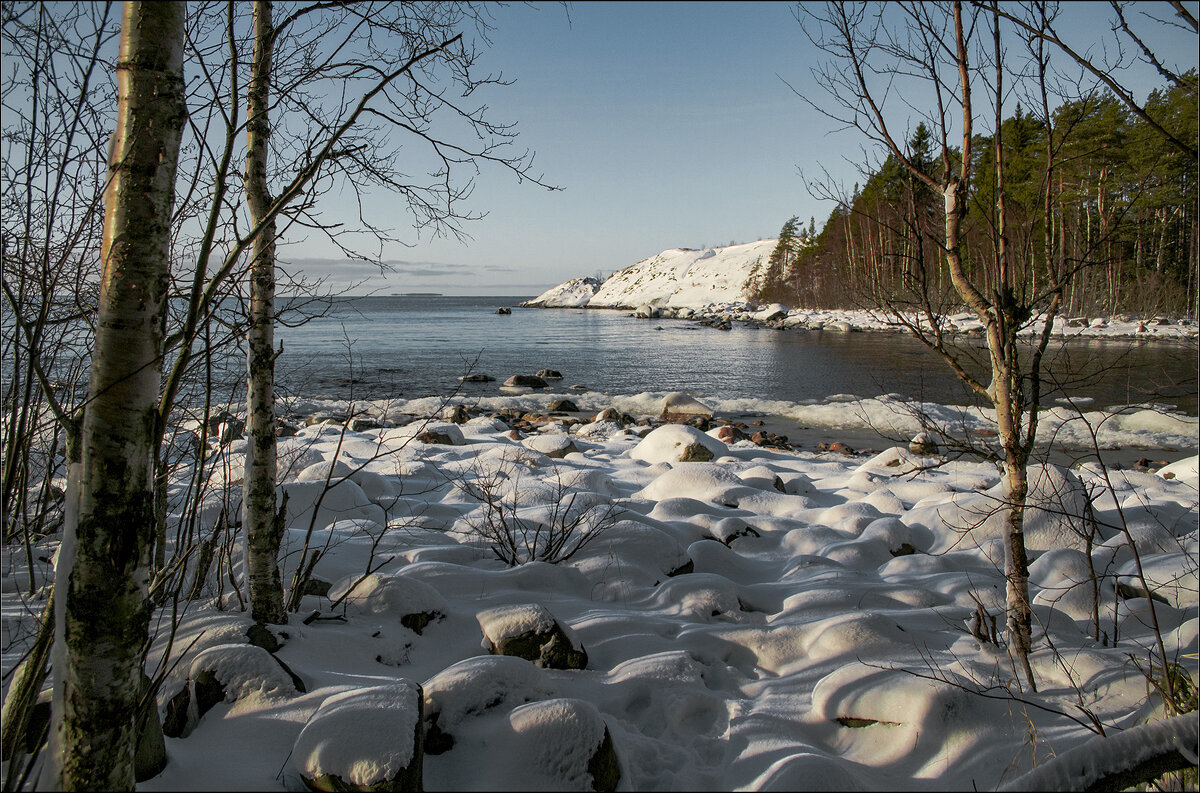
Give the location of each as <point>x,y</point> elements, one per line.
<point>709,286</point>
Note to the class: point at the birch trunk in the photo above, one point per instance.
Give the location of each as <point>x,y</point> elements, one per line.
<point>102,574</point>
<point>263,524</point>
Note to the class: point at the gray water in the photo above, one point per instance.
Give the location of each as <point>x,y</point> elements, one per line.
<point>400,346</point>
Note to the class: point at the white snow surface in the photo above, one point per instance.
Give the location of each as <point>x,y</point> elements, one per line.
<point>677,278</point>
<point>576,293</point>
<point>822,639</point>
<point>359,734</point>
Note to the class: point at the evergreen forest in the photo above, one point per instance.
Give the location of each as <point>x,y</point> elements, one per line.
<point>1121,201</point>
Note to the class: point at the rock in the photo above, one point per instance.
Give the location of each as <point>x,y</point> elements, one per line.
<point>730,434</point>
<point>260,635</point>
<point>362,424</point>
<point>476,378</point>
<point>550,374</point>
<point>687,567</point>
<point>380,595</point>
<point>840,327</point>
<point>771,313</point>
<point>555,446</point>
<point>615,416</point>
<point>529,631</point>
<point>457,415</point>
<point>504,310</point>
<point>227,673</point>
<point>677,443</point>
<point>285,429</point>
<point>923,443</point>
<point>568,738</point>
<point>435,436</point>
<point>525,381</point>
<point>679,407</point>
<point>365,739</point>
<point>646,312</point>
<point>577,388</point>
<point>563,405</point>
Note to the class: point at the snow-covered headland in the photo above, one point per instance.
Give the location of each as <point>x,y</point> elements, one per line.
<point>746,615</point>
<point>709,285</point>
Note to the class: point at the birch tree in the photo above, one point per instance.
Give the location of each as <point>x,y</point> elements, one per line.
<point>262,521</point>
<point>348,108</point>
<point>102,572</point>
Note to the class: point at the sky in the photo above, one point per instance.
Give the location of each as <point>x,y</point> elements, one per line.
<point>663,124</point>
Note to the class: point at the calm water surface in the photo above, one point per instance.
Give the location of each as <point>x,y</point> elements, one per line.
<point>378,347</point>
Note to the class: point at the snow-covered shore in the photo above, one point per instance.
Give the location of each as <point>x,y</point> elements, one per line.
<point>710,285</point>
<point>765,619</point>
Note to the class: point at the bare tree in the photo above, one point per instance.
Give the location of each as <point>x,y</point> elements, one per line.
<point>104,562</point>
<point>391,63</point>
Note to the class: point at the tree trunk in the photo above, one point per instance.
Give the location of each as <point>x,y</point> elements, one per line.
<point>103,607</point>
<point>263,528</point>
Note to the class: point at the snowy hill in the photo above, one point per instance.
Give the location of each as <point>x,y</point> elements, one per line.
<point>675,278</point>
<point>572,294</point>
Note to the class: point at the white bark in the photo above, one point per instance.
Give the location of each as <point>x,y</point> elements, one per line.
<point>102,576</point>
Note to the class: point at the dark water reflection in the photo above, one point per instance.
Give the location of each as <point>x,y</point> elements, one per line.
<point>417,346</point>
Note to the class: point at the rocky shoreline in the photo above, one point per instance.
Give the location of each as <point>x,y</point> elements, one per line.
<point>723,316</point>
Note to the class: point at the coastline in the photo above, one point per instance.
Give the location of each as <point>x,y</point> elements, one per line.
<point>1120,327</point>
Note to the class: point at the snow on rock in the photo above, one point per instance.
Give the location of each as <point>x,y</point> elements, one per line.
<point>242,670</point>
<point>395,594</point>
<point>679,403</point>
<point>680,277</point>
<point>506,622</point>
<point>1186,470</point>
<point>678,442</point>
<point>559,742</point>
<point>363,737</point>
<point>575,293</point>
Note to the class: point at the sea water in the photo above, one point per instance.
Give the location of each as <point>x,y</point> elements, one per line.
<point>421,345</point>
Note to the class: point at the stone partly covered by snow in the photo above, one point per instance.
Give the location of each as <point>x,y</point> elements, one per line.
<point>679,278</point>
<point>412,601</point>
<point>529,631</point>
<point>673,443</point>
<point>766,620</point>
<point>567,744</point>
<point>575,293</point>
<point>679,404</point>
<point>364,739</point>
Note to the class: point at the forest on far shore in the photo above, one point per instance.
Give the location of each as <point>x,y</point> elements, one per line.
<point>1122,202</point>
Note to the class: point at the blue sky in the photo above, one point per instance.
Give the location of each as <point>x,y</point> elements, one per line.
<point>665,124</point>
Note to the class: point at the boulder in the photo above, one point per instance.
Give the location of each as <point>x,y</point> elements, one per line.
<point>554,445</point>
<point>227,673</point>
<point>678,443</point>
<point>563,405</point>
<point>678,407</point>
<point>364,739</point>
<point>416,603</point>
<point>646,312</point>
<point>550,374</point>
<point>504,310</point>
<point>730,434</point>
<point>568,742</point>
<point>476,378</point>
<point>525,381</point>
<point>923,443</point>
<point>530,631</point>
